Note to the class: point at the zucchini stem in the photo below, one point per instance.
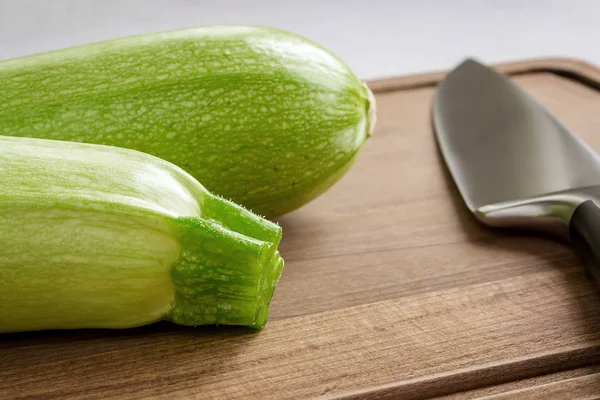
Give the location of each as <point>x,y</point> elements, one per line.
<point>227,269</point>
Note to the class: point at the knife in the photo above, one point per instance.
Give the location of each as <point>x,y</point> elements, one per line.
<point>514,164</point>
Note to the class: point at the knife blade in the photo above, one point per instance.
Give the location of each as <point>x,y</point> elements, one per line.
<point>515,164</point>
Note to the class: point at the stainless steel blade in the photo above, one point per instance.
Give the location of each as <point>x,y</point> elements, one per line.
<point>512,161</point>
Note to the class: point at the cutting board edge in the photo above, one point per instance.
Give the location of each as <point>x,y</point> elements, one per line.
<point>573,68</point>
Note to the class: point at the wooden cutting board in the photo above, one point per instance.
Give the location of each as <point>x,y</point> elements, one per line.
<point>391,290</point>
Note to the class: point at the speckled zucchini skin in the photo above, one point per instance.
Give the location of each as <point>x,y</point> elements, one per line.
<point>104,237</point>
<point>260,116</point>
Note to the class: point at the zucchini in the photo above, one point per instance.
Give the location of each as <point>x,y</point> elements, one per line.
<point>261,116</point>
<point>101,237</point>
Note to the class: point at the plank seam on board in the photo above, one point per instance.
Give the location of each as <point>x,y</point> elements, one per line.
<point>524,391</point>
<point>482,375</point>
<point>539,381</point>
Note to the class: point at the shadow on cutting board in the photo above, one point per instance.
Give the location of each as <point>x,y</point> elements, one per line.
<point>156,329</point>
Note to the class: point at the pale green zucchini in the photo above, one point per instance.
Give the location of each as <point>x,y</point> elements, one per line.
<point>260,116</point>
<point>102,237</point>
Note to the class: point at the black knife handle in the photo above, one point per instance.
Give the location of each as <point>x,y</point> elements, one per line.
<point>584,230</point>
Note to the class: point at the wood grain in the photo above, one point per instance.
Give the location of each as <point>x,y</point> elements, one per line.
<point>406,348</point>
<point>391,290</point>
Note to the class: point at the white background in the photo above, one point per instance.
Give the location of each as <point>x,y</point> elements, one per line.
<point>377,38</point>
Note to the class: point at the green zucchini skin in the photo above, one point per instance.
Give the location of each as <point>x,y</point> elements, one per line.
<point>101,237</point>
<point>261,116</point>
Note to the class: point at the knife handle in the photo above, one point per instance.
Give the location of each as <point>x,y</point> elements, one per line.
<point>584,230</point>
